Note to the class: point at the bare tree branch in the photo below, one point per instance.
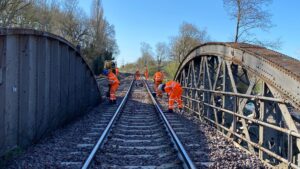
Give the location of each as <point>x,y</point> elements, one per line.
<point>189,37</point>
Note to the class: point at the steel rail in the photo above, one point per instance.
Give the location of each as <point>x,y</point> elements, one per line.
<point>106,131</point>
<point>187,160</point>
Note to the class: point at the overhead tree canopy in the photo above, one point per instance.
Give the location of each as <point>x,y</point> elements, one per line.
<point>94,35</point>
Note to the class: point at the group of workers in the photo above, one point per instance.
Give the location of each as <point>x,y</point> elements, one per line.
<point>138,76</point>
<point>172,88</point>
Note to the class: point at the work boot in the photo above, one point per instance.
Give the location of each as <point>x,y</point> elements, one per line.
<point>154,95</point>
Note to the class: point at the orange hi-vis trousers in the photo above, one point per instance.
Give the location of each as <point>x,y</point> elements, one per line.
<point>174,91</point>
<point>114,84</point>
<point>112,91</point>
<point>175,96</point>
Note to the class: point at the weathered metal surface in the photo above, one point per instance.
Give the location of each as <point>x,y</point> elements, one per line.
<point>275,68</point>
<point>43,83</point>
<point>248,92</point>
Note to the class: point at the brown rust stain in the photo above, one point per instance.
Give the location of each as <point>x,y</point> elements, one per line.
<point>237,61</point>
<point>285,62</point>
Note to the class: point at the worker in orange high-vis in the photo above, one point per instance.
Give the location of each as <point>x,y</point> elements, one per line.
<point>117,71</point>
<point>137,75</point>
<point>146,73</point>
<point>113,85</point>
<point>158,79</point>
<point>174,90</point>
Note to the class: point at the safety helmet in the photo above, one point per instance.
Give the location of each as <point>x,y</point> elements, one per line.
<point>161,87</point>
<point>105,72</point>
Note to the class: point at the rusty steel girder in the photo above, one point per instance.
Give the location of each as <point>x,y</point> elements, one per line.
<point>249,93</point>
<point>274,67</point>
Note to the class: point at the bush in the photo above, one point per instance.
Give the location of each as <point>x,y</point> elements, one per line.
<point>170,70</point>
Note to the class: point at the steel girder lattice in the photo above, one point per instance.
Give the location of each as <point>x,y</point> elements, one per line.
<point>249,93</point>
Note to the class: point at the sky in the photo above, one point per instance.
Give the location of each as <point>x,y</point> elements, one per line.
<point>154,21</point>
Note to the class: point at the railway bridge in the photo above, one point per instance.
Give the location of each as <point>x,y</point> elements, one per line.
<point>247,94</point>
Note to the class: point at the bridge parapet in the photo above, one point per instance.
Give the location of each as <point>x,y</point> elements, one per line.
<point>44,82</point>
<point>249,93</point>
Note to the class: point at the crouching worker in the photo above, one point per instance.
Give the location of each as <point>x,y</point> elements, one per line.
<point>158,79</point>
<point>174,90</point>
<point>113,83</point>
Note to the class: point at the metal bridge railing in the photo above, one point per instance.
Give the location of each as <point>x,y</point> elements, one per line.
<point>291,135</point>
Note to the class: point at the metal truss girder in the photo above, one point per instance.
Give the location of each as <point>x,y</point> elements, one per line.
<point>226,69</point>
<point>274,74</point>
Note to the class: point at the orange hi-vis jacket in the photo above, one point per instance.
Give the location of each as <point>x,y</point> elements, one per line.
<point>158,77</point>
<point>117,71</point>
<point>173,88</point>
<point>112,79</point>
<point>137,75</point>
<point>146,74</point>
<point>114,84</point>
<point>174,91</point>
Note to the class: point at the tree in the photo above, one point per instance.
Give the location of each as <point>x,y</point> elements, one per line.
<point>94,35</point>
<point>249,15</point>
<point>147,54</point>
<point>162,52</point>
<point>73,22</point>
<point>189,37</point>
<point>12,11</point>
<point>101,44</point>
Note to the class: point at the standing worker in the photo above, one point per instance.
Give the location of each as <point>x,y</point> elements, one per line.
<point>137,75</point>
<point>117,71</point>
<point>158,79</point>
<point>146,73</point>
<point>174,90</point>
<point>113,85</point>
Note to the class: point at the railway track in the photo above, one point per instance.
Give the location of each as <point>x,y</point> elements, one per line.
<point>138,136</point>
<point>67,147</point>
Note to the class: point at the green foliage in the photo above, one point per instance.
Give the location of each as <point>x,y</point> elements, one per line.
<point>94,35</point>
<point>128,68</point>
<point>170,69</point>
<point>168,56</point>
<point>98,62</point>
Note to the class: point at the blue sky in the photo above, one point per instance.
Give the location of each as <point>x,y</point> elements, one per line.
<point>154,21</point>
